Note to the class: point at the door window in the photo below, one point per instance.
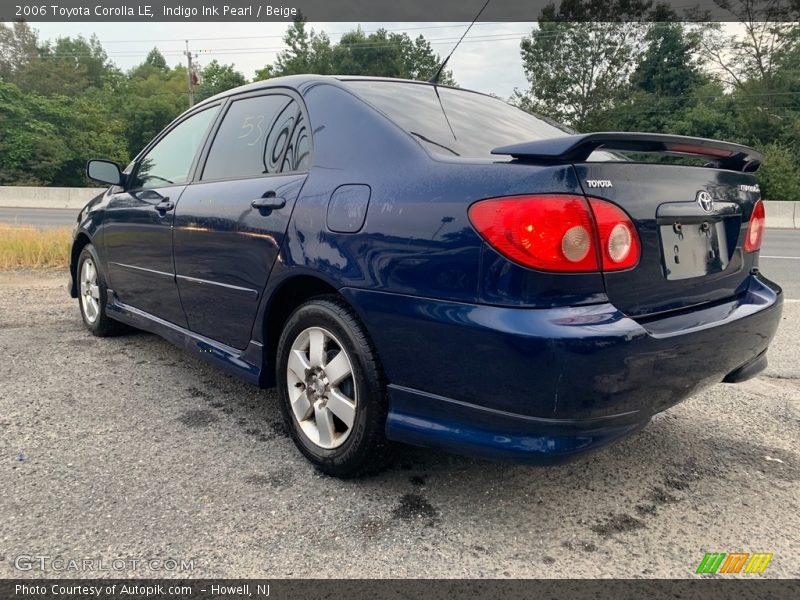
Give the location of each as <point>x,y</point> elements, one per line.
<point>298,154</point>
<point>170,160</point>
<point>259,136</point>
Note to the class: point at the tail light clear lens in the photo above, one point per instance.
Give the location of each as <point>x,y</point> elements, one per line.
<point>755,228</point>
<point>576,243</point>
<point>558,233</point>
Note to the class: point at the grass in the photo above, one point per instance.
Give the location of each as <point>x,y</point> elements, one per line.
<point>30,248</point>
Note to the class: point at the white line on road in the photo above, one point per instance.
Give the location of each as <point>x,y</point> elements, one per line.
<point>786,257</point>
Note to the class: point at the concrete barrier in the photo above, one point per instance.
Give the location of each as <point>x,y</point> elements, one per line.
<point>46,197</point>
<point>780,214</point>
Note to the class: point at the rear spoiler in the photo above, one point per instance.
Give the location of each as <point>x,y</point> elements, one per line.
<point>577,148</point>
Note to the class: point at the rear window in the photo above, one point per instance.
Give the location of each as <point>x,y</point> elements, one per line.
<point>463,124</point>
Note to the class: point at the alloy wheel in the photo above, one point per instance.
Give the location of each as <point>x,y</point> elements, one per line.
<point>90,291</point>
<point>322,390</point>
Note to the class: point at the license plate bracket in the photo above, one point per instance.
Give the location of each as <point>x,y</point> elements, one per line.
<point>693,249</point>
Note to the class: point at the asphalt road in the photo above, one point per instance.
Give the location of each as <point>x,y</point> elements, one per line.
<point>39,217</point>
<point>780,259</point>
<point>129,448</point>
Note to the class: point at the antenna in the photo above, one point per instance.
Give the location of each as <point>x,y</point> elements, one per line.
<point>435,79</point>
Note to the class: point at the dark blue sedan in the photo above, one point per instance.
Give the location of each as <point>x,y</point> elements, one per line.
<point>415,263</point>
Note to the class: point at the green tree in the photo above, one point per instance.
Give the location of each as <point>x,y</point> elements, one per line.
<point>149,98</point>
<point>45,140</point>
<point>379,54</point>
<point>89,129</point>
<point>218,78</point>
<point>778,175</point>
<point>156,59</point>
<point>758,60</point>
<point>31,149</point>
<point>663,83</point>
<point>18,47</point>
<point>669,67</point>
<point>580,58</point>
<point>67,66</point>
<point>708,112</point>
<point>300,56</point>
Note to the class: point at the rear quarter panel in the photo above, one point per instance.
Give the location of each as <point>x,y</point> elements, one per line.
<point>416,239</point>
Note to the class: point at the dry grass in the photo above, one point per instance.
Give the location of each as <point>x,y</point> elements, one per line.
<point>30,248</point>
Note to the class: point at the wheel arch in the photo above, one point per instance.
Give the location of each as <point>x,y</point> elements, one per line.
<point>78,244</point>
<point>284,300</point>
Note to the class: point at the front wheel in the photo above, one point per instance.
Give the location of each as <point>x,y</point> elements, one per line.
<point>92,295</point>
<point>331,388</point>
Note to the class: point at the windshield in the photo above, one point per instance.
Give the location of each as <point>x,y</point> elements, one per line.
<point>463,124</point>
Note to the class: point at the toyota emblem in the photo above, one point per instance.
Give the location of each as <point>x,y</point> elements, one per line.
<point>705,201</point>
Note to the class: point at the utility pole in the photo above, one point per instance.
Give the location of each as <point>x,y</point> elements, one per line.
<point>190,75</point>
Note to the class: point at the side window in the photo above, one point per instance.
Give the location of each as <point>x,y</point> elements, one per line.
<point>258,136</point>
<point>298,154</point>
<point>170,160</point>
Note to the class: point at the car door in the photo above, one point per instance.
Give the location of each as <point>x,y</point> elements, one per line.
<point>231,220</point>
<point>137,233</point>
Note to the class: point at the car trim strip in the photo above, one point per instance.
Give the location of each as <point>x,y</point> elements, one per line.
<point>228,286</point>
<point>135,268</point>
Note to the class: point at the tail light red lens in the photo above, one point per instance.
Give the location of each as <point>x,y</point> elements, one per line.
<point>549,233</point>
<point>755,228</point>
<point>559,233</point>
<point>619,244</point>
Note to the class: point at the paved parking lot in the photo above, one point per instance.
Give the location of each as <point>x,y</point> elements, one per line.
<point>128,448</point>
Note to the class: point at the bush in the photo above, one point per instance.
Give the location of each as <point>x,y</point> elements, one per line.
<point>779,175</point>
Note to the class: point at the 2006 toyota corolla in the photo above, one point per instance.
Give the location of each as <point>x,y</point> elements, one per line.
<point>415,263</point>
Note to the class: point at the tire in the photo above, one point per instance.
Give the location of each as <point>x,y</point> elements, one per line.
<point>93,295</point>
<point>332,389</point>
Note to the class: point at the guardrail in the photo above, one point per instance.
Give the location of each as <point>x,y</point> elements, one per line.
<point>780,214</point>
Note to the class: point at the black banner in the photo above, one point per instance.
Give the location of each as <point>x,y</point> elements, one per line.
<point>380,10</point>
<point>715,588</point>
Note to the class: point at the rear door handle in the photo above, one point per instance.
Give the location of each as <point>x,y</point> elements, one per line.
<point>268,201</point>
<point>165,205</point>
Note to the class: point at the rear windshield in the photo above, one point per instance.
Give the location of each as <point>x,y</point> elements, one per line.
<point>463,124</point>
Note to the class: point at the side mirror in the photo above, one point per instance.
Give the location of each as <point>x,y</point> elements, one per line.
<point>104,171</point>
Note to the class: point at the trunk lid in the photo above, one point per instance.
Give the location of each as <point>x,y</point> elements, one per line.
<point>691,221</point>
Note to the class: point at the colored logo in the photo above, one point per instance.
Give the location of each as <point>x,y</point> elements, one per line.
<point>736,562</point>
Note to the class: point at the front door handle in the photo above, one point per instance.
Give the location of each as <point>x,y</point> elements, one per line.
<point>165,205</point>
<point>268,201</point>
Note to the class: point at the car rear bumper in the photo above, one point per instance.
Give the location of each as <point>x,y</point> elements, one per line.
<point>541,385</point>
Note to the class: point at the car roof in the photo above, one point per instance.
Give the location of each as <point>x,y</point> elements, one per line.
<point>300,81</point>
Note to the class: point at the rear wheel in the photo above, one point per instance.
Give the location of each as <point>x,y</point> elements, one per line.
<point>332,392</point>
<point>92,295</point>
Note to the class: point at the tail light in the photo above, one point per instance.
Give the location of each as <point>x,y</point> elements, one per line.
<point>755,228</point>
<point>619,244</point>
<point>560,233</point>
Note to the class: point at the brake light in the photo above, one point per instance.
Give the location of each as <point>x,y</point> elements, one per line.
<point>755,228</point>
<point>550,233</point>
<point>559,233</point>
<point>619,244</point>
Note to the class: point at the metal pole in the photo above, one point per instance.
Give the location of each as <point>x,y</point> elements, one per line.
<point>189,75</point>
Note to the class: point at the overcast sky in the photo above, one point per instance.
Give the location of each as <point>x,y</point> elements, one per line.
<point>487,61</point>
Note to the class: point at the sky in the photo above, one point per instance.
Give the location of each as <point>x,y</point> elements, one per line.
<point>488,59</point>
